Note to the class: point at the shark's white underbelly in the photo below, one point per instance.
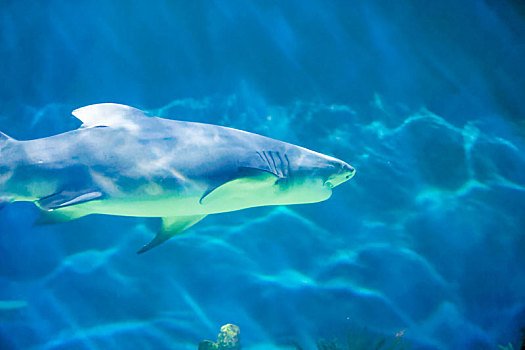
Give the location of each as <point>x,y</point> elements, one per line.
<point>162,207</point>
<point>194,204</point>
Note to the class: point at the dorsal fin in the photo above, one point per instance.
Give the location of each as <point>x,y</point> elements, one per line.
<point>109,114</point>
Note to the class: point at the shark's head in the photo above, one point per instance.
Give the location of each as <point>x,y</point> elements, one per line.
<point>290,175</point>
<point>338,173</point>
<point>312,176</point>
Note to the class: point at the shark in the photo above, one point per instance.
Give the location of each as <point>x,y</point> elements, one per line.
<point>122,161</point>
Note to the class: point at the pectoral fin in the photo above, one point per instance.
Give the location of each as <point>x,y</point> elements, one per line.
<point>238,188</point>
<point>68,198</point>
<point>170,227</point>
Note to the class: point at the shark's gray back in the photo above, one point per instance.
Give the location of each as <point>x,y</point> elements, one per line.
<point>158,151</point>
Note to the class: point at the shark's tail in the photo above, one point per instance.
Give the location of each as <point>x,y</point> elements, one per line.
<point>4,138</point>
<point>4,142</point>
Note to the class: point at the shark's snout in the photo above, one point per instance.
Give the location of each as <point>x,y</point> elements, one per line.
<point>344,173</point>
<point>348,170</point>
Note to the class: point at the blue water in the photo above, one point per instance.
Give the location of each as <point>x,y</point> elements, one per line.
<point>425,99</point>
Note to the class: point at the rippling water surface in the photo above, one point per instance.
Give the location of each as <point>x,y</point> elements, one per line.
<point>425,100</point>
